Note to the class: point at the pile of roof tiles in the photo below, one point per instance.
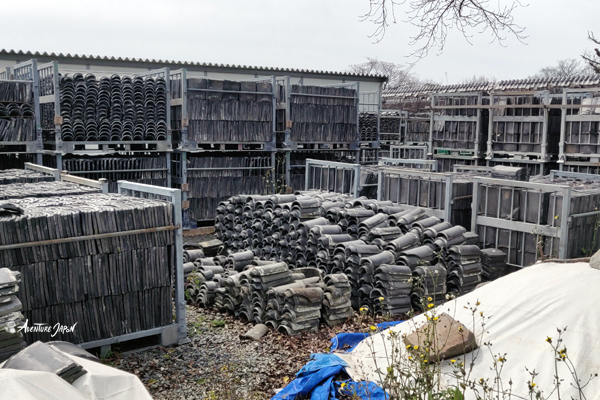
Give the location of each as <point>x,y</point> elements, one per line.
<point>391,257</point>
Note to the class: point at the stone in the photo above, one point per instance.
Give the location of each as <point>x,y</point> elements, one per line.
<point>595,260</point>
<point>257,332</point>
<point>451,339</point>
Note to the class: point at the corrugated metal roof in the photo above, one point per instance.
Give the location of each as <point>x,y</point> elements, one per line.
<point>180,64</point>
<point>581,81</point>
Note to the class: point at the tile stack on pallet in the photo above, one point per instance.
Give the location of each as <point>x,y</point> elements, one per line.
<point>76,281</point>
<point>11,319</point>
<point>17,114</point>
<point>147,169</point>
<point>9,176</point>
<point>113,108</point>
<point>323,114</point>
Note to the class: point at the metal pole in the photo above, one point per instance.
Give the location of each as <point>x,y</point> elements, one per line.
<point>563,131</point>
<point>564,224</point>
<point>307,173</point>
<point>448,199</point>
<point>474,206</point>
<point>380,185</point>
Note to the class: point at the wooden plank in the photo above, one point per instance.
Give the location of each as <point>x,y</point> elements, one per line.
<point>207,230</point>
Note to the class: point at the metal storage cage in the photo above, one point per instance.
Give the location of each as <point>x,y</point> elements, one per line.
<point>427,165</point>
<point>208,179</point>
<point>523,130</point>
<point>20,124</point>
<point>293,165</point>
<point>458,128</point>
<point>320,117</point>
<point>580,131</point>
<point>555,217</point>
<point>121,280</point>
<point>392,126</point>
<point>409,151</point>
<point>440,194</point>
<point>92,128</point>
<point>369,118</point>
<point>369,126</point>
<point>223,115</point>
<point>331,176</point>
<point>417,128</point>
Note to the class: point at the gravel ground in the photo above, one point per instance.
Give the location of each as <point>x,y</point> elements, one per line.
<point>218,364</point>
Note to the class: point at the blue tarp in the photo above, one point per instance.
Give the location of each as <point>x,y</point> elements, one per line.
<point>316,377</point>
<point>352,339</point>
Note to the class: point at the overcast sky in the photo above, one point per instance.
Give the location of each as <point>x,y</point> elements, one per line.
<point>312,34</point>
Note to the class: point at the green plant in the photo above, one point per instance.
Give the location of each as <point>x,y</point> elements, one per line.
<point>218,323</point>
<point>414,371</point>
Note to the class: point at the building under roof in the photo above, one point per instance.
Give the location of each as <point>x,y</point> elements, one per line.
<point>104,65</point>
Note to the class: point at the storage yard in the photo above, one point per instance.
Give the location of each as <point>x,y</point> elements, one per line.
<point>331,206</point>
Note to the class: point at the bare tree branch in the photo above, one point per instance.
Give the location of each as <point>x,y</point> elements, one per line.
<point>593,59</point>
<point>398,75</point>
<point>434,18</point>
<point>565,69</point>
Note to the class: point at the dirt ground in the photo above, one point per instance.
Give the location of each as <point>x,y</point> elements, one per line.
<point>218,364</point>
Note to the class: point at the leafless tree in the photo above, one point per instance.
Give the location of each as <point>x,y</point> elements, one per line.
<point>434,18</point>
<point>593,58</point>
<point>398,74</point>
<point>478,79</point>
<point>565,69</point>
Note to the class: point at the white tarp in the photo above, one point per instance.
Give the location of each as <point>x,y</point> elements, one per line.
<point>525,308</point>
<point>101,382</point>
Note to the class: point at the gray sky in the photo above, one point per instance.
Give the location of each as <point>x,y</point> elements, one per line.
<point>312,34</point>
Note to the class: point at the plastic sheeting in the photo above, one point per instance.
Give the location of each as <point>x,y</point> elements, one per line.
<point>524,308</point>
<point>316,377</point>
<point>101,382</point>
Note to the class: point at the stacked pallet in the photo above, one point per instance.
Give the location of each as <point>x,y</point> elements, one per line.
<point>323,114</point>
<point>17,115</point>
<point>113,108</point>
<point>74,282</point>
